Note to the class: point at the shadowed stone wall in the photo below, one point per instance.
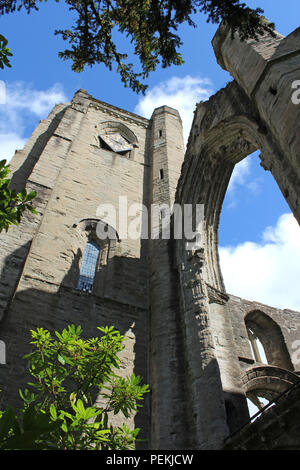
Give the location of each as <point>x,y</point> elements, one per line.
<point>253,112</point>
<point>41,258</point>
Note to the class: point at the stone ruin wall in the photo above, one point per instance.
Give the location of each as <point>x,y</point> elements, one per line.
<point>254,112</point>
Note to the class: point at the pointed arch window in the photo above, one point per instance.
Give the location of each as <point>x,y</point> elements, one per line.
<point>88,267</point>
<point>118,138</point>
<point>267,340</point>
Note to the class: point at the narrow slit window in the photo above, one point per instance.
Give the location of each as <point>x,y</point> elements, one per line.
<point>161,174</point>
<point>160,133</point>
<point>88,267</point>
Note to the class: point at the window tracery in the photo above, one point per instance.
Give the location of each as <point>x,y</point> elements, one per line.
<point>118,138</point>
<point>88,267</point>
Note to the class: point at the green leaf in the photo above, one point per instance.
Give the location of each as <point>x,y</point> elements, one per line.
<point>23,194</point>
<point>53,412</point>
<point>61,359</point>
<point>80,408</point>
<point>31,196</point>
<point>7,422</point>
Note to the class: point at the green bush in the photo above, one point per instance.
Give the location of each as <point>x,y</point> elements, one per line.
<point>59,410</point>
<point>12,203</point>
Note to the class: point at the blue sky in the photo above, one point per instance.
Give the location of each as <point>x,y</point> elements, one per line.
<point>259,239</point>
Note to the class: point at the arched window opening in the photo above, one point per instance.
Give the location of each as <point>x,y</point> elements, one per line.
<point>266,340</point>
<point>118,138</point>
<point>259,238</point>
<point>257,348</point>
<point>88,267</point>
<point>115,142</point>
<point>94,247</point>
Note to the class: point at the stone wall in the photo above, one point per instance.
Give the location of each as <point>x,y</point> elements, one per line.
<point>41,258</point>
<point>168,412</point>
<point>276,428</point>
<point>254,111</point>
<point>266,317</point>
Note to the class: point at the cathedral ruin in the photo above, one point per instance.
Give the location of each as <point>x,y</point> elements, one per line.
<point>194,343</point>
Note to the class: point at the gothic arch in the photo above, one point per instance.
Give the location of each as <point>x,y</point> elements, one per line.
<point>109,129</point>
<point>225,130</point>
<point>83,231</point>
<point>89,225</point>
<point>115,126</point>
<point>271,337</point>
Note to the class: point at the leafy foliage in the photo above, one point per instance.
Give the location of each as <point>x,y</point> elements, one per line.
<point>12,203</point>
<point>150,25</point>
<point>59,411</point>
<point>5,53</point>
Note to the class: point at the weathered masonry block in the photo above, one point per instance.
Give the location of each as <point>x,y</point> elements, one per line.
<point>194,343</point>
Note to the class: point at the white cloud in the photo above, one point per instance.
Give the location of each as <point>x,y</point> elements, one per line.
<point>9,143</point>
<point>20,96</point>
<point>239,177</point>
<point>179,93</point>
<point>243,175</point>
<point>240,173</point>
<point>267,272</point>
<point>22,108</point>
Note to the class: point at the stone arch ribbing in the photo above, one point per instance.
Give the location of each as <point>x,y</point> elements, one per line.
<point>265,378</point>
<point>226,129</point>
<point>115,126</point>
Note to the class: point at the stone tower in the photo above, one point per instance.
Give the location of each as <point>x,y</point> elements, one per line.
<point>86,156</point>
<point>97,168</point>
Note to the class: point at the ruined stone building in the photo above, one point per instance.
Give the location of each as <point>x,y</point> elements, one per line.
<point>186,336</point>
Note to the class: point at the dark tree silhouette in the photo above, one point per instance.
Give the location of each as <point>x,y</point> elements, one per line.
<point>151,26</point>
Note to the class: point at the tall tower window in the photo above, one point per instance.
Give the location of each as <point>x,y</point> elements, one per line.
<point>88,267</point>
